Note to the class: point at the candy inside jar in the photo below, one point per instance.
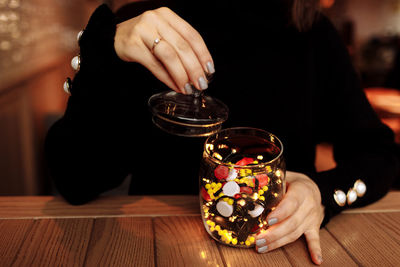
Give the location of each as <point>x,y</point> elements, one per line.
<point>242,179</point>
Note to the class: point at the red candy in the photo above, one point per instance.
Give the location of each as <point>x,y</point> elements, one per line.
<point>255,228</point>
<point>205,195</point>
<point>246,190</point>
<point>221,172</point>
<point>245,161</point>
<point>262,179</point>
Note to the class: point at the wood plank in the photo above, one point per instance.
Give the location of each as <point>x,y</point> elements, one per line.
<point>389,222</point>
<point>12,236</point>
<point>366,240</point>
<point>183,241</point>
<point>333,253</point>
<point>121,242</point>
<point>389,203</point>
<point>249,257</point>
<point>56,207</point>
<point>56,242</point>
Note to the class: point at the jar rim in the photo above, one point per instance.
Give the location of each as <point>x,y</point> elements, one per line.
<point>255,166</point>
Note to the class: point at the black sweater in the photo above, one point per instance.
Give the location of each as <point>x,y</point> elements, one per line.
<point>300,86</point>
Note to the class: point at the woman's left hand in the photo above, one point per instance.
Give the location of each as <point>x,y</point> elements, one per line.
<point>300,212</point>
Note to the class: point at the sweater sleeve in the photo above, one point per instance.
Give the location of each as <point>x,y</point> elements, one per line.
<point>364,147</point>
<point>88,149</point>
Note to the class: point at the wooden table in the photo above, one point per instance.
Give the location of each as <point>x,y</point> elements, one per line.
<point>167,231</point>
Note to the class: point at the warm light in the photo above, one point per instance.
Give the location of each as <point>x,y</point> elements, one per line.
<point>222,146</point>
<point>209,147</point>
<point>203,254</point>
<point>217,156</point>
<point>242,202</point>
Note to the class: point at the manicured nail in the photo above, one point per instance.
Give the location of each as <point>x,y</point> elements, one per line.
<point>262,249</point>
<point>203,83</point>
<point>210,67</point>
<point>260,242</point>
<point>272,221</point>
<point>320,260</point>
<point>188,89</point>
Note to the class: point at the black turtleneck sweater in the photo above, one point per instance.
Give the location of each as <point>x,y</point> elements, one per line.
<point>300,86</point>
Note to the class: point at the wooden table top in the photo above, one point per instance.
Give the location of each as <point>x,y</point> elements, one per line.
<point>168,231</point>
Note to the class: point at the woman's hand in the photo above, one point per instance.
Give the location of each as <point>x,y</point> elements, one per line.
<point>300,212</point>
<point>181,57</point>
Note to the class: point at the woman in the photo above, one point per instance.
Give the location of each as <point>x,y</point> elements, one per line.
<point>278,66</point>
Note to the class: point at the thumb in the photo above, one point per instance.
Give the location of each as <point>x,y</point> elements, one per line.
<point>314,245</point>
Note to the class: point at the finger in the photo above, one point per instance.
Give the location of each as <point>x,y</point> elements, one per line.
<point>292,224</point>
<point>186,54</point>
<point>191,36</point>
<point>314,245</point>
<point>148,60</point>
<point>167,55</point>
<point>288,206</point>
<point>289,238</point>
<point>162,51</point>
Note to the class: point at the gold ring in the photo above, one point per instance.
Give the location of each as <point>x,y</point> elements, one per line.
<point>156,42</point>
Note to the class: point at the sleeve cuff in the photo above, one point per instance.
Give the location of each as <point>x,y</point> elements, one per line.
<point>97,54</point>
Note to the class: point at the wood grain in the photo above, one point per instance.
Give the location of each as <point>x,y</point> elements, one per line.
<point>121,242</point>
<point>183,241</point>
<point>388,222</point>
<point>365,239</point>
<point>56,207</point>
<point>12,235</point>
<point>249,257</point>
<point>332,252</point>
<point>56,242</point>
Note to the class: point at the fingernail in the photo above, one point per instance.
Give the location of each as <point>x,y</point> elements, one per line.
<point>262,249</point>
<point>188,89</point>
<point>272,221</point>
<point>203,83</point>
<point>210,67</point>
<point>260,242</point>
<point>320,259</point>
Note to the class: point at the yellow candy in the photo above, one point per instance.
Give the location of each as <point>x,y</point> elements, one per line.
<point>230,201</point>
<point>212,229</point>
<point>234,241</point>
<point>218,228</point>
<point>251,239</point>
<point>213,184</point>
<point>207,186</point>
<point>265,188</point>
<point>262,198</point>
<point>247,243</point>
<point>260,192</point>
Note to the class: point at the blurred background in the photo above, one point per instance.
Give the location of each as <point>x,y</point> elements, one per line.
<point>38,41</point>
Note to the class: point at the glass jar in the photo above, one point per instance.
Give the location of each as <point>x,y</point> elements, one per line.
<point>242,179</point>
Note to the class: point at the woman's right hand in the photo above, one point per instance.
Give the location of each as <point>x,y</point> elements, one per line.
<point>180,59</point>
